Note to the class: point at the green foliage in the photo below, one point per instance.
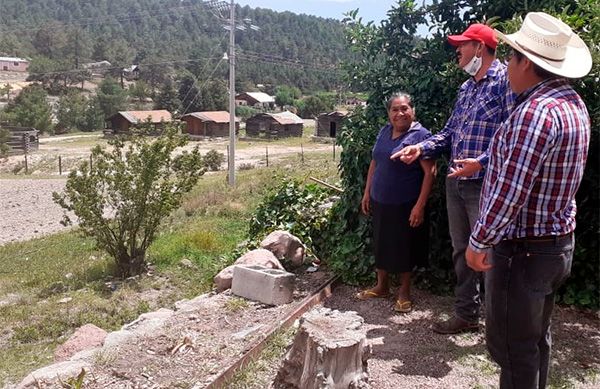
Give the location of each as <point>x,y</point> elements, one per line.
<point>312,106</point>
<point>31,109</point>
<point>122,198</point>
<point>292,207</point>
<point>167,98</point>
<point>285,95</point>
<point>4,147</point>
<point>148,32</point>
<point>213,160</point>
<point>71,112</point>
<point>111,98</point>
<point>244,112</point>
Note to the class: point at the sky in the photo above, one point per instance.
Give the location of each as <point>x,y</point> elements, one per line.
<point>369,10</point>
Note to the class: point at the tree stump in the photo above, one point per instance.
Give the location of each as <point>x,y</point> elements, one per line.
<point>329,351</point>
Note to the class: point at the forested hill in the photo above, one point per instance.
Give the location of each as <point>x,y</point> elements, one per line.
<point>288,49</point>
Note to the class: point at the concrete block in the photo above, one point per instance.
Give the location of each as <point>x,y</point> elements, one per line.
<point>269,286</point>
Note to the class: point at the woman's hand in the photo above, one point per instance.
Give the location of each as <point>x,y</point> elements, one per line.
<point>417,215</point>
<point>365,204</point>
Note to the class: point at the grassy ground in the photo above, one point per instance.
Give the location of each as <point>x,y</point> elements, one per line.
<point>51,286</point>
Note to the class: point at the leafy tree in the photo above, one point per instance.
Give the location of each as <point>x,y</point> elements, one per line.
<point>139,90</point>
<point>213,160</point>
<point>31,109</point>
<point>122,198</point>
<point>111,97</point>
<point>5,91</point>
<point>314,105</point>
<point>167,98</point>
<point>94,116</point>
<point>285,95</point>
<point>71,112</point>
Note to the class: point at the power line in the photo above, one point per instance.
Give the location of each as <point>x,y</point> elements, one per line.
<point>202,86</point>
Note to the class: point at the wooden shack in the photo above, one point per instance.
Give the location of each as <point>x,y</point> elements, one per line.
<point>274,125</point>
<point>123,121</point>
<point>208,124</point>
<point>22,140</point>
<point>328,124</point>
<point>255,99</point>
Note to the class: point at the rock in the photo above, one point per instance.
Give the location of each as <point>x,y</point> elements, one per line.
<point>285,246</point>
<point>87,336</point>
<point>248,331</point>
<point>187,263</point>
<point>260,257</point>
<point>63,370</point>
<point>223,279</point>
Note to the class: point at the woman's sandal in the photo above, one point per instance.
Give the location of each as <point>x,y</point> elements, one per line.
<point>403,306</point>
<point>369,294</point>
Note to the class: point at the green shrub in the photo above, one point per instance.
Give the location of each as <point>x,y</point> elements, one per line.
<point>122,198</point>
<point>293,207</point>
<point>213,160</point>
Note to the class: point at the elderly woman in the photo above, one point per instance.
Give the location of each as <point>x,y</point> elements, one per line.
<point>396,196</point>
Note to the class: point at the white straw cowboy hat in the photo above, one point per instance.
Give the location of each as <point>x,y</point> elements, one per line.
<point>550,44</point>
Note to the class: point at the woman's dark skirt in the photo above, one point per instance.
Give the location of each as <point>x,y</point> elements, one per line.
<point>398,246</point>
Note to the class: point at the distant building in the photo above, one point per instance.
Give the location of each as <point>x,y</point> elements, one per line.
<point>131,73</point>
<point>328,124</point>
<point>123,121</point>
<point>255,99</point>
<point>22,139</point>
<point>13,64</point>
<point>98,68</point>
<point>274,125</point>
<point>208,123</point>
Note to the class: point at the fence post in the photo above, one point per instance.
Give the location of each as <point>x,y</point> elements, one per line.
<point>302,152</point>
<point>267,154</point>
<point>334,149</point>
<point>26,165</point>
<point>59,165</point>
<point>90,162</point>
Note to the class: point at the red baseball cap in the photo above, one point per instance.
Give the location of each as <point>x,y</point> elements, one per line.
<point>475,32</point>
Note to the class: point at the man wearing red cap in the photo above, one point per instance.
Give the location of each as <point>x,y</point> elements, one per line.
<point>483,103</point>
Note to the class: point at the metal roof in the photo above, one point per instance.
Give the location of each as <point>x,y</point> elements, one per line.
<point>142,116</point>
<point>13,59</point>
<point>212,116</point>
<point>261,97</point>
<point>285,117</point>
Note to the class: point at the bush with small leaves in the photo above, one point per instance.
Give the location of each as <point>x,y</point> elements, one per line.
<point>213,160</point>
<point>130,188</point>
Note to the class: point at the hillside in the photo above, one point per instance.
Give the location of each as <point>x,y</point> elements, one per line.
<point>298,50</point>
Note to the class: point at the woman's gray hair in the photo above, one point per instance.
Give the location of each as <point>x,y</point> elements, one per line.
<point>398,95</point>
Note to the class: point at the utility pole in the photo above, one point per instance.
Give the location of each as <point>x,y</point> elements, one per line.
<point>231,163</point>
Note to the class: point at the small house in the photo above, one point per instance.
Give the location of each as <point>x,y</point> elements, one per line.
<point>208,123</point>
<point>328,124</point>
<point>274,125</point>
<point>123,121</point>
<point>22,140</point>
<point>255,99</point>
<point>98,69</point>
<point>13,64</point>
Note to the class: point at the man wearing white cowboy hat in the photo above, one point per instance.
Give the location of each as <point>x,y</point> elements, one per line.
<point>527,208</point>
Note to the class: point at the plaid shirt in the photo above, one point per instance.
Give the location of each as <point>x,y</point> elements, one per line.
<point>537,160</point>
<point>479,110</point>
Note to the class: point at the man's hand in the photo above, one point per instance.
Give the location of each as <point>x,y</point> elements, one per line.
<point>477,261</point>
<point>408,154</point>
<point>464,167</point>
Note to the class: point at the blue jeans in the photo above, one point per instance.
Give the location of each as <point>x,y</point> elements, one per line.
<point>520,289</point>
<point>462,201</point>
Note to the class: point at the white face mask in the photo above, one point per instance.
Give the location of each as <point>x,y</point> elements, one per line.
<point>473,66</point>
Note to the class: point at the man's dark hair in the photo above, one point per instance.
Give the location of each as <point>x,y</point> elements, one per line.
<point>542,73</point>
<point>490,50</point>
